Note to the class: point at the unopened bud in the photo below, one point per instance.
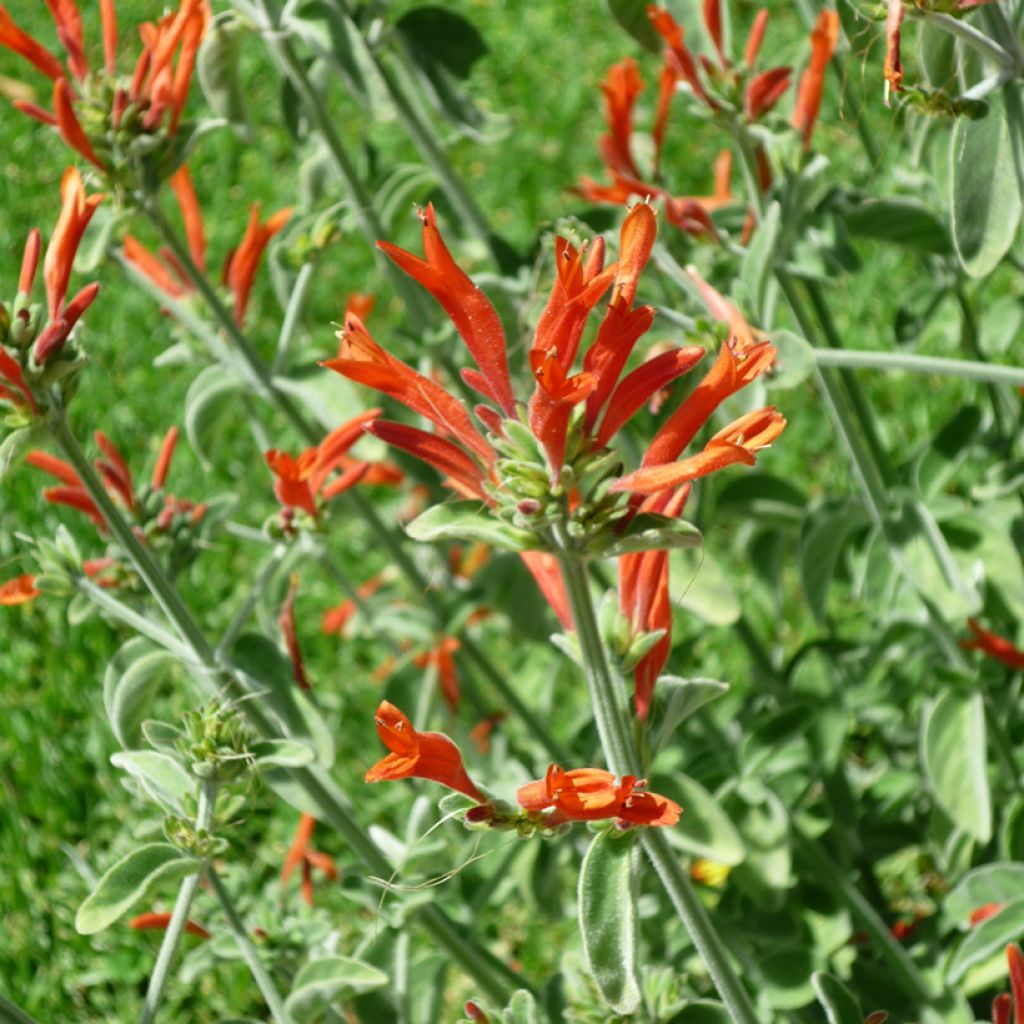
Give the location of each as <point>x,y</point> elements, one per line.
<point>529,507</point>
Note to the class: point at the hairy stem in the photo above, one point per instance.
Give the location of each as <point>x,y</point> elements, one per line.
<point>252,958</point>
<point>179,917</point>
<point>618,743</point>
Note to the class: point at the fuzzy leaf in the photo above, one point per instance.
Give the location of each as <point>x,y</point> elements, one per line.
<point>679,698</point>
<point>991,883</point>
<point>953,753</point>
<point>467,520</point>
<point>319,985</point>
<point>281,753</point>
<point>162,777</point>
<point>131,679</point>
<point>838,1001</point>
<point>129,882</point>
<point>608,919</point>
<point>217,66</point>
<point>986,195</point>
<point>987,939</point>
<point>649,531</point>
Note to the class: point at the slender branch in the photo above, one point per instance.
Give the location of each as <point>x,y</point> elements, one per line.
<point>179,917</point>
<point>296,301</point>
<point>245,609</point>
<point>694,917</point>
<point>259,973</point>
<point>966,32</point>
<point>967,369</point>
<point>12,1014</point>
<point>145,564</point>
<point>904,970</point>
<point>361,200</point>
<point>620,751</point>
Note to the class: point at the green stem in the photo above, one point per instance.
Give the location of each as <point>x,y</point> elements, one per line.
<point>179,917</point>
<point>492,975</point>
<point>610,712</point>
<point>969,35</point>
<point>123,613</point>
<point>904,970</point>
<point>296,301</point>
<point>966,369</point>
<point>620,751</point>
<point>245,609</point>
<point>259,973</point>
<point>694,917</point>
<point>11,1014</point>
<point>239,342</point>
<point>321,119</point>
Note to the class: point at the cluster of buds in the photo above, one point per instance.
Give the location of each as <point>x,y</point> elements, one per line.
<point>167,523</point>
<point>305,484</point>
<point>728,91</point>
<point>559,799</point>
<point>165,272</point>
<point>36,347</point>
<point>215,742</point>
<point>118,122</point>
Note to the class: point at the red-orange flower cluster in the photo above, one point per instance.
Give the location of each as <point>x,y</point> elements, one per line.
<point>153,98</point>
<point>301,854</point>
<point>240,268</point>
<point>462,452</point>
<point>302,482</point>
<point>26,346</point>
<point>591,794</point>
<point>118,480</point>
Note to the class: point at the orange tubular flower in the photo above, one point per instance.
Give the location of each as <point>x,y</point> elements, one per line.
<point>993,645</point>
<point>984,912</point>
<point>169,276</point>
<point>645,600</point>
<point>159,86</point>
<point>1005,1005</point>
<point>299,482</point>
<point>286,623</point>
<point>893,70</point>
<point>812,82</point>
<point>300,854</point>
<point>20,590</point>
<point>418,755</point>
<point>119,483</point>
<point>591,794</point>
<point>155,921</point>
<point>76,212</point>
<point>241,269</point>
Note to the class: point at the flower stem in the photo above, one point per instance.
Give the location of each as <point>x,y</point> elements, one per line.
<point>967,369</point>
<point>259,973</point>
<point>179,917</point>
<point>493,976</point>
<point>362,202</point>
<point>694,917</point>
<point>12,1014</point>
<point>618,743</point>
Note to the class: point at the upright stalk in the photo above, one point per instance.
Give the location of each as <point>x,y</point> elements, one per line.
<point>620,751</point>
<point>179,917</point>
<point>259,973</point>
